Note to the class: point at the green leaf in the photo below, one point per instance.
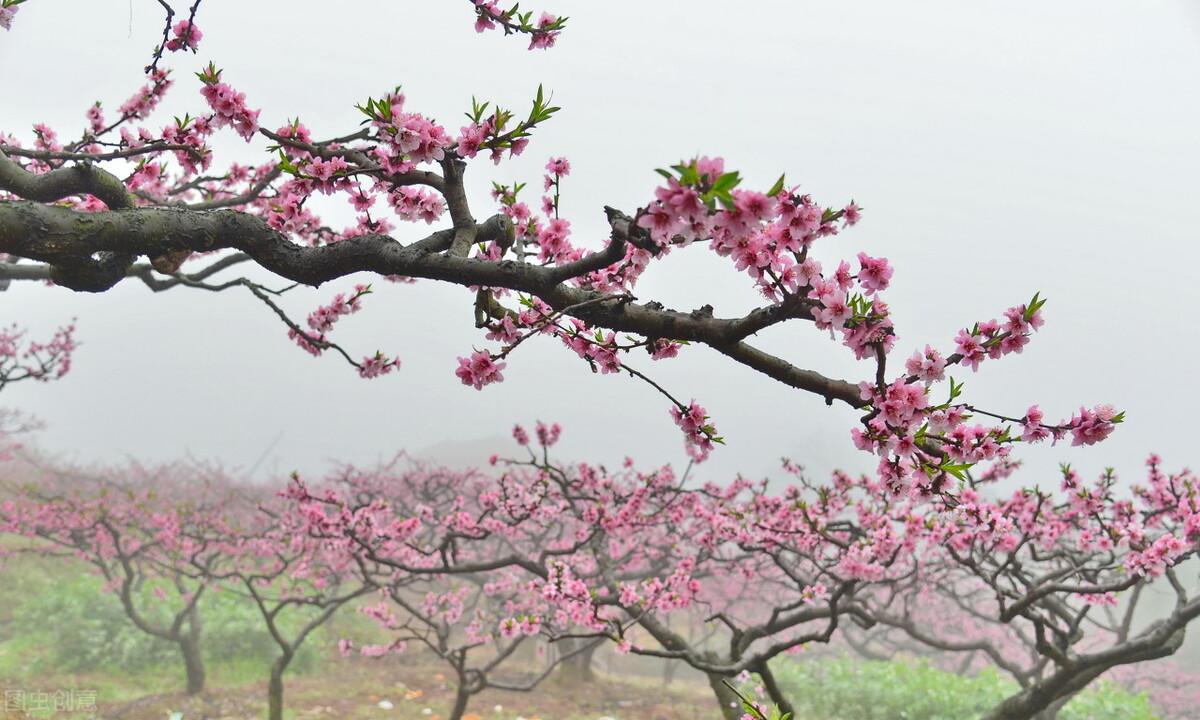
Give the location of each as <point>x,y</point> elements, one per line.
<point>958,470</point>
<point>726,182</point>
<point>776,188</point>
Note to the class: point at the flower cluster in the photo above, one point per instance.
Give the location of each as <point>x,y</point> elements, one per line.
<point>479,369</point>
<point>142,103</point>
<point>414,204</point>
<point>22,359</point>
<point>186,35</point>
<point>699,435</point>
<point>228,105</point>
<point>7,13</point>
<point>542,33</point>
<point>405,139</point>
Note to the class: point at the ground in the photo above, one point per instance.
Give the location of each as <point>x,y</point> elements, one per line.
<point>414,690</point>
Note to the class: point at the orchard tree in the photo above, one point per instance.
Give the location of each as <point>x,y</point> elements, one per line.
<point>296,583</point>
<point>474,566</point>
<point>1043,586</point>
<point>1032,582</point>
<point>144,531</point>
<point>25,359</point>
<point>131,197</point>
<point>477,622</point>
<point>1024,581</point>
<point>579,553</point>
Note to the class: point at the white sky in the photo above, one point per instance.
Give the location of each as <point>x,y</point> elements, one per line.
<point>999,148</point>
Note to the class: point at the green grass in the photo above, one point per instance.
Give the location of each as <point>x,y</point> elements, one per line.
<point>851,689</point>
<point>56,619</point>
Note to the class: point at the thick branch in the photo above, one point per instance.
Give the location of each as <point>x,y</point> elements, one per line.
<point>69,240</point>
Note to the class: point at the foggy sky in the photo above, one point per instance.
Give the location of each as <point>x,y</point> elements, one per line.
<point>998,148</point>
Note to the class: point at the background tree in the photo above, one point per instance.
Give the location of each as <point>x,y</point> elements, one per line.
<point>297,584</point>
<point>140,529</point>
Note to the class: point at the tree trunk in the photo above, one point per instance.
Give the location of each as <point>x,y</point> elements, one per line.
<point>461,698</point>
<point>774,691</point>
<point>668,673</point>
<point>193,663</point>
<point>1051,712</point>
<point>1044,700</point>
<point>275,687</point>
<point>193,656</point>
<point>731,704</point>
<point>1030,704</point>
<point>578,667</point>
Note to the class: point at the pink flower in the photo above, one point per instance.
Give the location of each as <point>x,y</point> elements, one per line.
<point>6,16</point>
<point>1089,427</point>
<point>95,117</point>
<point>559,166</point>
<point>378,364</point>
<point>970,348</point>
<point>479,370</point>
<point>509,628</point>
<point>814,593</point>
<point>229,107</point>
<point>470,140</point>
<point>414,204</point>
<point>754,204</point>
<point>834,310</point>
<point>1034,430</point>
<point>187,36</point>
<point>698,435</point>
<point>547,435</point>
<point>542,38</point>
<point>486,9</point>
<point>851,214</point>
<point>663,349</point>
<point>662,223</point>
<point>875,273</point>
<point>928,367</point>
<point>140,105</point>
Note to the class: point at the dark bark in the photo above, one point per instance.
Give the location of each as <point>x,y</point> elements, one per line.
<point>1160,640</point>
<point>275,687</point>
<point>731,704</point>
<point>577,667</point>
<point>94,251</point>
<point>193,662</point>
<point>773,690</point>
<point>193,655</point>
<point>1051,713</point>
<point>461,698</point>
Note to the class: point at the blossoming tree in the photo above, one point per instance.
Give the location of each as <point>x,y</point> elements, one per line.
<point>586,552</point>
<point>138,528</point>
<point>24,359</point>
<point>295,582</point>
<point>1046,587</point>
<point>1022,580</point>
<point>135,198</point>
<point>473,566</point>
